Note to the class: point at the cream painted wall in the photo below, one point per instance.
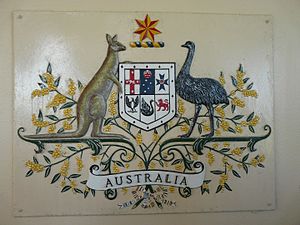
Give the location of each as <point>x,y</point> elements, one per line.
<point>286,20</point>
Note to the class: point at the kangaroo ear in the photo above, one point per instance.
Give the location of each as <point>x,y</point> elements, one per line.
<point>115,38</point>
<point>108,38</point>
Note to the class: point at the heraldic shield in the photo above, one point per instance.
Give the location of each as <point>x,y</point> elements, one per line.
<point>148,99</point>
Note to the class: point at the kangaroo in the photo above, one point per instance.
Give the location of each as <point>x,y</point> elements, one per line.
<point>92,103</point>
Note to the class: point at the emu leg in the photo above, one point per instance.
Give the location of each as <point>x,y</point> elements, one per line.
<point>211,121</point>
<point>197,112</point>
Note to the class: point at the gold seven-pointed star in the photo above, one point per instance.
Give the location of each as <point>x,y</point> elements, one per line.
<point>147,28</point>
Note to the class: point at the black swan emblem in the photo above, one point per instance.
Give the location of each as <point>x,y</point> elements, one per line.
<point>147,109</point>
<point>199,91</point>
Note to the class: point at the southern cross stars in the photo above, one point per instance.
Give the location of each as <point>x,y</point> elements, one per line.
<point>162,82</point>
<point>147,28</point>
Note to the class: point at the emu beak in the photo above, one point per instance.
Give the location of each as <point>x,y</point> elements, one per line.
<point>184,46</point>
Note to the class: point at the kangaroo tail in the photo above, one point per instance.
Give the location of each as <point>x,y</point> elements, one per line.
<point>75,134</point>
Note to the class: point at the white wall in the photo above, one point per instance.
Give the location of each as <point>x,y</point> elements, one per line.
<point>286,20</point>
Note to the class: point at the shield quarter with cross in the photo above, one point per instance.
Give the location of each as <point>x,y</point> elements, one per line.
<point>148,99</point>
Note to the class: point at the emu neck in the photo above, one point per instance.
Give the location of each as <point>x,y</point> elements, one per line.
<point>188,61</point>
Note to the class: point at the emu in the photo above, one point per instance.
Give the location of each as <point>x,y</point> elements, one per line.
<point>199,91</point>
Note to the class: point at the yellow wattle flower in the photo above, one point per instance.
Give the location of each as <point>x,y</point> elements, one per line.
<point>35,167</point>
<point>57,100</point>
<point>220,111</point>
<point>67,125</point>
<point>181,108</point>
<point>64,170</point>
<point>139,138</point>
<point>254,162</point>
<point>56,153</point>
<point>73,184</point>
<point>111,106</point>
<point>238,102</point>
<point>51,129</point>
<point>210,158</point>
<point>71,88</point>
<point>225,125</point>
<point>115,168</point>
<point>79,164</point>
<point>152,165</point>
<point>238,129</point>
<point>221,79</point>
<point>68,112</point>
<point>205,186</point>
<point>236,151</point>
<point>223,179</point>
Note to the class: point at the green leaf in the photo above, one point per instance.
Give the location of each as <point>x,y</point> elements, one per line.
<point>260,165</point>
<point>161,163</point>
<point>235,173</point>
<point>47,159</point>
<point>246,79</point>
<point>47,171</point>
<point>83,182</point>
<point>95,146</point>
<point>49,68</point>
<point>251,128</point>
<point>238,117</point>
<point>55,178</point>
<point>66,188</point>
<point>72,176</point>
<point>234,81</point>
<point>245,158</point>
<point>188,165</point>
<point>52,117</point>
<point>218,124</point>
<point>250,117</point>
<point>35,159</point>
<point>219,188</point>
<point>223,150</point>
<point>43,79</point>
<point>73,149</point>
<point>56,82</point>
<point>119,163</point>
<point>230,129</point>
<point>227,187</point>
<point>245,168</point>
<point>78,190</point>
<point>38,130</point>
<point>93,192</point>
<point>107,121</point>
<point>177,161</point>
<point>61,130</point>
<point>137,203</point>
<point>166,127</point>
<point>29,173</point>
<point>79,85</point>
<point>42,86</point>
<point>249,86</point>
<point>199,128</point>
<point>67,105</point>
<point>40,116</point>
<point>186,120</point>
<point>233,107</point>
<point>217,172</point>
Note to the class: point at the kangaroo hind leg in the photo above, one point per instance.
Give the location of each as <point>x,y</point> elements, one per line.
<point>97,112</point>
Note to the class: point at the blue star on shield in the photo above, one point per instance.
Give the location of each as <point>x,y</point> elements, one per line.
<point>162,82</point>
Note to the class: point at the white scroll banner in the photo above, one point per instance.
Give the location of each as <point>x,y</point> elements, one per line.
<point>99,181</point>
